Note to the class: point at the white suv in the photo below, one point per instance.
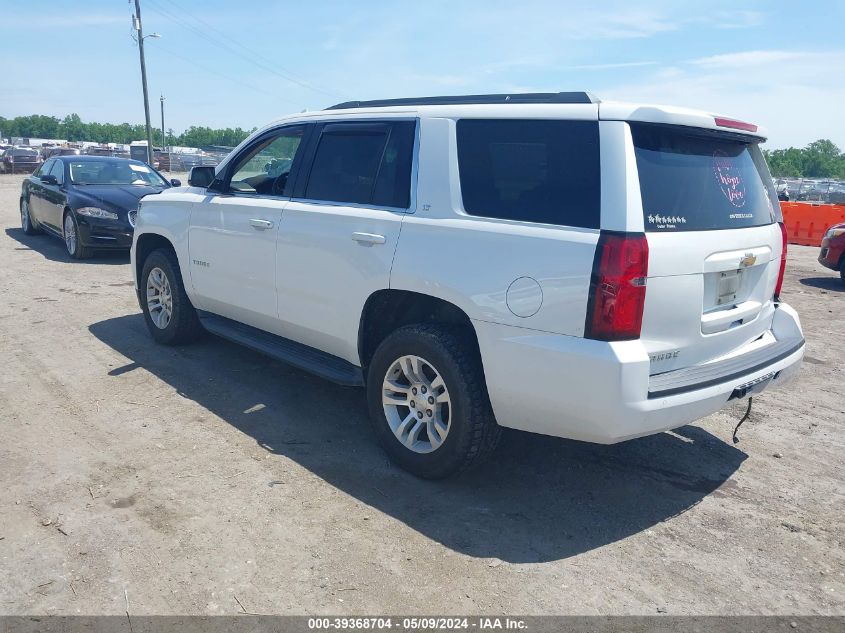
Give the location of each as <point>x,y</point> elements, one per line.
<point>545,262</point>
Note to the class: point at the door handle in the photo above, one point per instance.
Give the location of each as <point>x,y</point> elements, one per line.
<point>261,225</point>
<point>368,238</point>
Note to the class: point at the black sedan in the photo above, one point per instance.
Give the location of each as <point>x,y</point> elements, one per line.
<point>89,201</point>
<point>20,159</point>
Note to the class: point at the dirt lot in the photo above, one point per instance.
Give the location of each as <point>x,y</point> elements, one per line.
<point>209,479</point>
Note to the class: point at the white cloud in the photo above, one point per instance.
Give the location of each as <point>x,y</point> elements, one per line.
<point>610,66</point>
<point>734,19</point>
<point>750,58</point>
<point>795,95</point>
<point>36,22</point>
<point>623,25</point>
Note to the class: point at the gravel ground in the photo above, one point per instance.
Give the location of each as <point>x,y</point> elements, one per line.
<point>210,480</point>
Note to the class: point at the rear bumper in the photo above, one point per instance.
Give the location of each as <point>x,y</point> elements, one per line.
<point>599,392</point>
<point>21,168</point>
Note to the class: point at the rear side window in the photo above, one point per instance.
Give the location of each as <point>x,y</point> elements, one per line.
<point>363,163</point>
<point>44,169</point>
<point>58,170</point>
<point>693,181</point>
<point>531,170</point>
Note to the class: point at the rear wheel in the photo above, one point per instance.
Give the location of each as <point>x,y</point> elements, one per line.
<point>26,219</point>
<point>170,317</point>
<point>428,400</point>
<point>842,268</point>
<point>73,243</point>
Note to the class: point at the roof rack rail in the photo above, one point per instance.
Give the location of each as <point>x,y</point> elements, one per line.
<point>525,97</point>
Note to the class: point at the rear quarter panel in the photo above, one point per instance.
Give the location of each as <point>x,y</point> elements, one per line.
<point>473,261</point>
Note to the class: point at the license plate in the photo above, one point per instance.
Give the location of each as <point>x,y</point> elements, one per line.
<point>729,282</point>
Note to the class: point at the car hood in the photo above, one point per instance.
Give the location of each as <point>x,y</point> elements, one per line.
<point>123,197</point>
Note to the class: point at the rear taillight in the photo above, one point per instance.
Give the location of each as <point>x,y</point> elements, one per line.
<point>617,288</point>
<point>779,284</point>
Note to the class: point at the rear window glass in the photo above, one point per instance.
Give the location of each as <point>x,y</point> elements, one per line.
<point>531,170</point>
<point>696,182</point>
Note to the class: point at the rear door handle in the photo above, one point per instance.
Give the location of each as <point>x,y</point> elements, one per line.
<point>261,225</point>
<point>368,238</point>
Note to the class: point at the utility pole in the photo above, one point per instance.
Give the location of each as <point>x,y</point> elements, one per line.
<point>163,137</point>
<point>140,32</point>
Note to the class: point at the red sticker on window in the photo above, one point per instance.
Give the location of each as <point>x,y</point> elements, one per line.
<point>729,179</point>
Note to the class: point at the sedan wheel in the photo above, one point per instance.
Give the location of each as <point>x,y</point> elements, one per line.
<point>70,234</point>
<point>159,298</point>
<point>26,219</point>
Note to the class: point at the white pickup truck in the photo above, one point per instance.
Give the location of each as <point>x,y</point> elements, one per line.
<point>546,262</point>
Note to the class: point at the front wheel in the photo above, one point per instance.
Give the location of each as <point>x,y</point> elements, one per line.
<point>73,242</point>
<point>170,317</point>
<point>428,400</point>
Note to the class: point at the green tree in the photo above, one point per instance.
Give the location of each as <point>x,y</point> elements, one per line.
<point>73,128</point>
<point>820,159</point>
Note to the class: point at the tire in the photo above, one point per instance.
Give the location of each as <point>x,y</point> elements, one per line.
<point>166,289</point>
<point>471,431</point>
<point>26,219</point>
<point>70,235</point>
<point>842,269</point>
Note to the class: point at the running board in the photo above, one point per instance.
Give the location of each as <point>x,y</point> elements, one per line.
<point>296,354</point>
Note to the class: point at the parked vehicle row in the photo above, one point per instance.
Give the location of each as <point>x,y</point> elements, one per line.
<point>811,190</point>
<point>25,159</point>
<point>183,161</point>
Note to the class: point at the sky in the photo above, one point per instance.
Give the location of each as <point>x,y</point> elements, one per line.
<point>224,63</point>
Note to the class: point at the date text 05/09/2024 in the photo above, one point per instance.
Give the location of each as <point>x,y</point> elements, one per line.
<point>416,623</point>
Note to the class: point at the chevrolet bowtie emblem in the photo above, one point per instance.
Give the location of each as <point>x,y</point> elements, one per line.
<point>748,260</point>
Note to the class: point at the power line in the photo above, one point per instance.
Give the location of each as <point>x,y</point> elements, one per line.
<point>168,14</point>
<point>258,57</point>
<point>216,72</point>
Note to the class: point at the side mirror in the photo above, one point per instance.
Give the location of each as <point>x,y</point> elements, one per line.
<point>201,176</point>
<point>49,179</point>
<point>175,182</point>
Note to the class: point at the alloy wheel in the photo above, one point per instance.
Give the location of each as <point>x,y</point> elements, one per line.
<point>25,215</point>
<point>70,234</point>
<point>416,404</point>
<point>159,298</point>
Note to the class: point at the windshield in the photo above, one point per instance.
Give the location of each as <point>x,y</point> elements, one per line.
<point>692,181</point>
<point>113,172</point>
<point>23,152</point>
